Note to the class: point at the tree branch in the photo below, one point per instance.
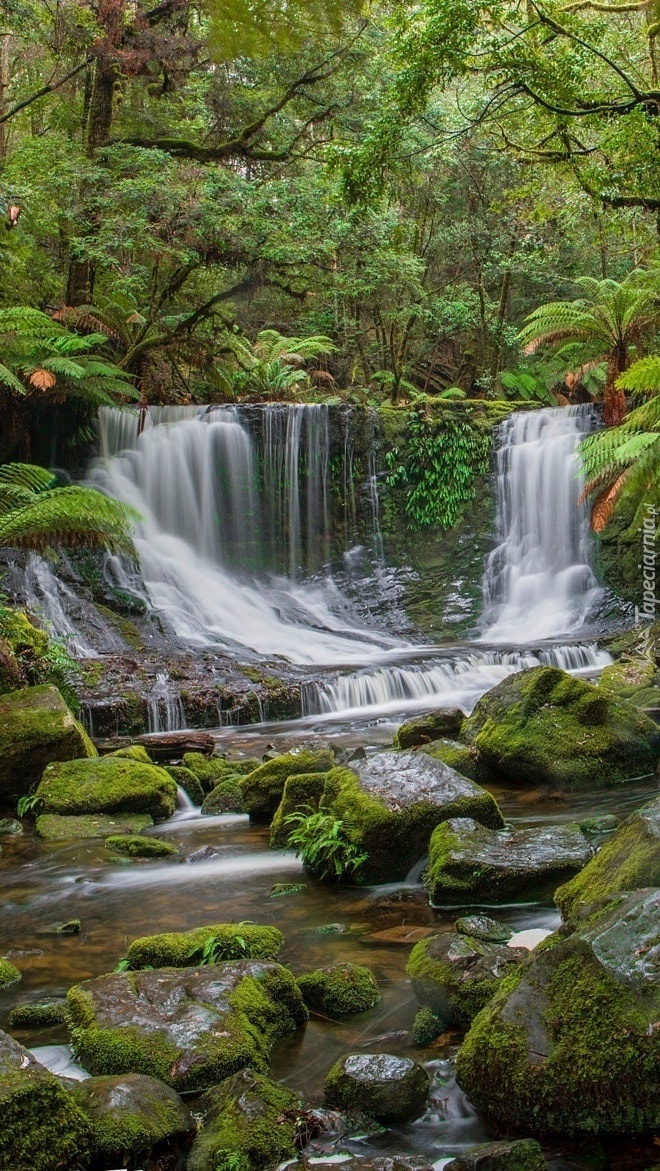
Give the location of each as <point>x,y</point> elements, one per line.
<point>46,89</point>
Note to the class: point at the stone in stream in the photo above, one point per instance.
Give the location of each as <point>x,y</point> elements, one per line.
<point>40,1014</point>
<point>433,726</point>
<point>186,780</point>
<point>483,927</point>
<point>190,1027</point>
<point>378,1163</point>
<point>41,1128</point>
<point>340,990</point>
<point>9,825</point>
<point>456,976</point>
<point>131,1113</point>
<point>571,1043</point>
<point>249,1122</point>
<point>227,797</point>
<point>211,770</point>
<point>543,725</point>
<point>204,854</point>
<point>54,828</point>
<point>471,864</point>
<point>630,859</point>
<point>391,1089</point>
<point>107,785</point>
<point>36,727</point>
<point>264,786</point>
<point>134,846</point>
<point>229,941</point>
<point>9,974</point>
<point>523,1154</point>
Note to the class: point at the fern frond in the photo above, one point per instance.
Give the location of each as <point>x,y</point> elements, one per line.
<point>643,377</point>
<point>29,476</point>
<point>68,516</point>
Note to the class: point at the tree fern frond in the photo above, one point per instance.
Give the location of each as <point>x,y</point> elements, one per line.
<point>643,377</point>
<point>29,476</point>
<point>7,378</point>
<point>68,516</point>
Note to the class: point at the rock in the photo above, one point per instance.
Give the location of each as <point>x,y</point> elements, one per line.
<point>107,785</point>
<point>36,727</point>
<point>301,791</point>
<point>462,759</point>
<point>191,1028</point>
<point>471,864</point>
<point>514,1155</point>
<point>9,825</point>
<point>137,847</point>
<point>42,1128</point>
<point>628,861</point>
<point>597,827</point>
<point>570,1044</point>
<point>456,976</point>
<point>391,1089</point>
<point>283,889</point>
<point>264,786</point>
<point>229,941</point>
<point>426,1027</point>
<point>204,854</point>
<point>211,770</point>
<point>42,1014</point>
<point>131,1113</point>
<point>340,990</point>
<point>8,974</point>
<point>169,746</point>
<point>133,752</point>
<point>249,1123</point>
<point>186,780</point>
<point>53,828</point>
<point>482,927</point>
<point>544,725</point>
<point>433,726</point>
<point>378,1163</point>
<point>72,927</point>
<point>227,797</point>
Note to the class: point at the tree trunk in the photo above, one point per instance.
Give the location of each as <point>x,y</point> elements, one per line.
<point>4,86</point>
<point>80,280</point>
<point>615,399</point>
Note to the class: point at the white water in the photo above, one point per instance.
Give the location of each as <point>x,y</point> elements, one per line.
<point>165,707</point>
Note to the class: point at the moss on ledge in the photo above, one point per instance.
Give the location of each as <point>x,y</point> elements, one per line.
<point>230,941</point>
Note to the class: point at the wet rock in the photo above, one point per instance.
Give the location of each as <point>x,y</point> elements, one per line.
<point>211,770</point>
<point>249,1122</point>
<point>71,927</point>
<point>544,725</point>
<point>284,889</point>
<point>9,825</point>
<point>379,1163</point>
<point>426,1027</point>
<point>515,1155</point>
<point>340,990</point>
<point>190,1028</point>
<point>471,864</point>
<point>456,976</point>
<point>134,846</point>
<point>42,1128</point>
<point>41,1014</point>
<point>483,927</point>
<point>170,746</point>
<point>263,788</point>
<point>36,727</point>
<point>133,752</point>
<point>130,1114</point>
<point>224,941</point>
<point>9,974</point>
<point>570,1044</point>
<point>186,780</point>
<point>630,859</point>
<point>107,785</point>
<point>391,1089</point>
<point>597,827</point>
<point>53,828</point>
<point>227,797</point>
<point>204,854</point>
<point>433,726</point>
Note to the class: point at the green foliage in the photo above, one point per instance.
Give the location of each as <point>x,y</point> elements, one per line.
<point>217,948</point>
<point>36,515</point>
<point>319,839</point>
<point>274,366</point>
<point>622,464</point>
<point>525,386</point>
<point>28,803</point>
<point>610,314</point>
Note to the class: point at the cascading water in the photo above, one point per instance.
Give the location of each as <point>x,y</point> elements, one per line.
<point>165,707</point>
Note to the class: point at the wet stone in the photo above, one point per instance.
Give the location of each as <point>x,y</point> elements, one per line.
<point>391,1089</point>
<point>483,927</point>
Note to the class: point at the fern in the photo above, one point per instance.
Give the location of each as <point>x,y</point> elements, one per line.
<point>34,515</point>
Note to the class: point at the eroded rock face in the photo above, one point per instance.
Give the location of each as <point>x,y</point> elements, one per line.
<point>469,863</point>
<point>189,1027</point>
<point>570,1044</point>
<point>36,727</point>
<point>131,1113</point>
<point>456,976</point>
<point>390,1089</point>
<point>107,785</point>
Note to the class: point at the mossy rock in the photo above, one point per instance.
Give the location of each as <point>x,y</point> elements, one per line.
<point>249,1123</point>
<point>569,1043</point>
<point>133,752</point>
<point>263,788</point>
<point>523,1154</point>
<point>227,797</point>
<point>341,990</point>
<point>388,1088</point>
<point>484,928</point>
<point>433,726</point>
<point>456,976</point>
<point>54,828</point>
<point>233,941</point>
<point>107,785</point>
<point>186,779</point>
<point>471,864</point>
<point>545,726</point>
<point>629,860</point>
<point>42,1128</point>
<point>302,791</point>
<point>189,1027</point>
<point>426,1027</point>
<point>41,1014</point>
<point>138,847</point>
<point>211,770</point>
<point>130,1114</point>
<point>9,974</point>
<point>22,649</point>
<point>462,759</point>
<point>36,727</point>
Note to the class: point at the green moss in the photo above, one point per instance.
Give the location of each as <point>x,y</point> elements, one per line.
<point>463,760</point>
<point>124,627</point>
<point>227,797</point>
<point>426,1027</point>
<point>456,976</point>
<point>139,847</point>
<point>250,1123</point>
<point>54,828</point>
<point>133,752</point>
<point>424,729</point>
<point>107,785</point>
<point>264,786</point>
<point>8,974</point>
<point>181,949</point>
<point>283,889</point>
<point>117,1050</point>
<point>42,1128</point>
<point>130,1114</point>
<point>301,791</point>
<point>341,990</point>
<point>186,779</point>
<point>211,770</point>
<point>36,727</point>
<point>40,1015</point>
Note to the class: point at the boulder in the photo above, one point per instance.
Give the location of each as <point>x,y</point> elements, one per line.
<point>203,854</point>
<point>628,861</point>
<point>8,974</point>
<point>227,797</point>
<point>301,791</point>
<point>390,1089</point>
<point>433,726</point>
<point>264,786</point>
<point>211,770</point>
<point>131,1114</point>
<point>378,1163</point>
<point>249,1122</point>
<point>456,976</point>
<point>54,828</point>
<point>469,863</point>
<point>10,826</point>
<point>186,780</point>
<point>36,727</point>
<point>133,752</point>
<point>426,1027</point>
<point>340,990</point>
<point>545,726</point>
<point>44,1014</point>
<point>227,941</point>
<point>570,1042</point>
<point>42,1128</point>
<point>134,846</point>
<point>523,1154</point>
<point>190,1027</point>
<point>458,756</point>
<point>483,927</point>
<point>107,785</point>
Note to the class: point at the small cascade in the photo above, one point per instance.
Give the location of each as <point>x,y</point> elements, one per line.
<point>165,707</point>
<point>184,803</point>
<point>374,500</point>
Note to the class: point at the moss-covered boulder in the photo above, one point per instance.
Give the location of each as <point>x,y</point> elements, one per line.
<point>390,1089</point>
<point>41,1014</point>
<point>9,974</point>
<point>189,1027</point>
<point>36,727</point>
<point>186,780</point>
<point>569,1043</point>
<point>248,1124</point>
<point>211,770</point>
<point>432,726</point>
<point>545,726</point>
<point>107,785</point>
<point>426,1027</point>
<point>134,846</point>
<point>378,1163</point>
<point>226,941</point>
<point>54,828</point>
<point>131,1114</point>
<point>629,860</point>
<point>483,927</point>
<point>469,863</point>
<point>227,797</point>
<point>301,791</point>
<point>456,976</point>
<point>523,1154</point>
<point>264,786</point>
<point>458,756</point>
<point>42,1128</point>
<point>340,990</point>
<point>133,752</point>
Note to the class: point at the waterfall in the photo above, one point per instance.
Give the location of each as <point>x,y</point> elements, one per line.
<point>165,707</point>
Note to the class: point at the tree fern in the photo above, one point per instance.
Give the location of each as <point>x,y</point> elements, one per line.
<point>35,515</point>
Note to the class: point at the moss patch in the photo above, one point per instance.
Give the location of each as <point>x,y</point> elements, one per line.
<point>40,1015</point>
<point>232,941</point>
<point>9,974</point>
<point>186,779</point>
<point>227,797</point>
<point>211,770</point>
<point>302,791</point>
<point>264,786</point>
<point>139,847</point>
<point>455,976</point>
<point>107,785</point>
<point>54,828</point>
<point>130,1114</point>
<point>36,727</point>
<point>249,1124</point>
<point>341,990</point>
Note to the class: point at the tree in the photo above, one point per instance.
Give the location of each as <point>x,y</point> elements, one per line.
<point>34,514</point>
<point>274,366</point>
